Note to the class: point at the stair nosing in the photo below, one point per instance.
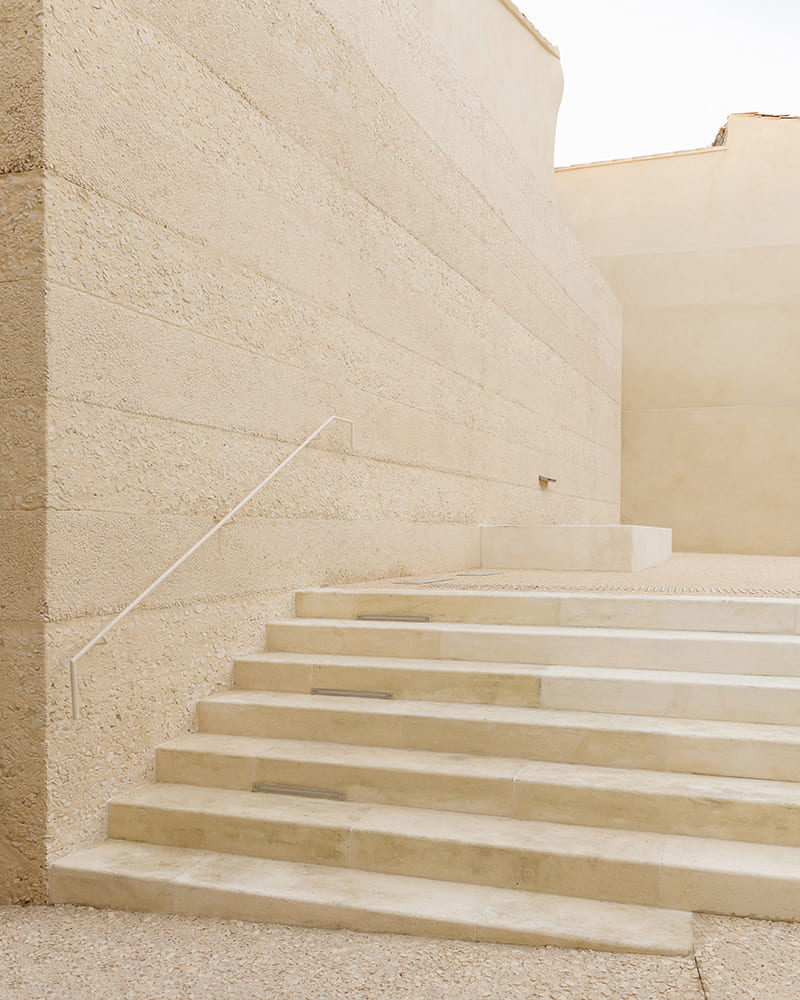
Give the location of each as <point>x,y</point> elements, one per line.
<point>524,716</point>
<point>497,832</point>
<point>659,922</point>
<point>437,762</point>
<point>585,631</point>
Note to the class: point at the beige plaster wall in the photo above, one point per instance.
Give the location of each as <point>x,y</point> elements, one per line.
<point>703,251</point>
<point>512,69</point>
<point>23,804</point>
<point>257,215</point>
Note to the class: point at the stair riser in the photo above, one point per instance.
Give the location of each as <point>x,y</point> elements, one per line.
<point>130,875</point>
<point>253,836</point>
<point>535,741</point>
<point>424,789</point>
<point>721,654</point>
<point>637,876</point>
<point>467,686</point>
<point>680,815</point>
<point>715,702</point>
<point>702,614</point>
<point>652,697</point>
<point>515,795</point>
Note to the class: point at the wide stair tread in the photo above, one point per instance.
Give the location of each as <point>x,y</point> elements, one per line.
<point>725,652</point>
<point>670,693</point>
<point>697,805</point>
<point>500,713</point>
<point>666,871</point>
<point>572,769</point>
<point>646,610</point>
<point>651,743</point>
<point>175,880</point>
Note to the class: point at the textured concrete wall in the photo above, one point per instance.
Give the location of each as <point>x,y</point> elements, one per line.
<point>22,455</point>
<point>257,215</point>
<point>703,251</point>
<point>511,68</point>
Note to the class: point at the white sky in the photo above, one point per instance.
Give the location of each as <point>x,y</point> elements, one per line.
<point>659,75</point>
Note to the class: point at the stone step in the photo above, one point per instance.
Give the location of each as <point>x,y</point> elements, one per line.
<point>704,613</point>
<point>672,694</point>
<point>659,870</point>
<point>640,742</point>
<point>685,804</point>
<point>172,880</point>
<point>706,652</point>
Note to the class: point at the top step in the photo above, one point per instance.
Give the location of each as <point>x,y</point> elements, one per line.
<point>636,611</point>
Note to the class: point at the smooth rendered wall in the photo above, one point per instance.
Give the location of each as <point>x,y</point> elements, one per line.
<point>703,251</point>
<point>259,214</point>
<point>22,456</point>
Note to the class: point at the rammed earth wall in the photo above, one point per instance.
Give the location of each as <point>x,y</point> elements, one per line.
<point>239,219</point>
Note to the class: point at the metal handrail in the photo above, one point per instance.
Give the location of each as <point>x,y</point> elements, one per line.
<point>73,669</point>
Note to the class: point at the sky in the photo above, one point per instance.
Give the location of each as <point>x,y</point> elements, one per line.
<point>652,77</point>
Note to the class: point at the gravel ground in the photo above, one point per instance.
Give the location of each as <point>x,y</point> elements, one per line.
<point>684,573</point>
<point>72,953</point>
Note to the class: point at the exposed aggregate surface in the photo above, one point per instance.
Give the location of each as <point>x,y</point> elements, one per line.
<point>684,573</point>
<point>75,953</point>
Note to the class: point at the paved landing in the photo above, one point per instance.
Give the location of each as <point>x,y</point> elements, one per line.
<point>684,573</point>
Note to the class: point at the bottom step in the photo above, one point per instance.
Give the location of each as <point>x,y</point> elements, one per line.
<point>136,876</point>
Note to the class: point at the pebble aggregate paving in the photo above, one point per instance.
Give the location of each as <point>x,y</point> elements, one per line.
<point>685,573</point>
<point>77,953</point>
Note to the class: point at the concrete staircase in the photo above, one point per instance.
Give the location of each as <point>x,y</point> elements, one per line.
<point>570,769</point>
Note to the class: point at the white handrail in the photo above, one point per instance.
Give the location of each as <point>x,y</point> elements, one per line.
<point>73,670</point>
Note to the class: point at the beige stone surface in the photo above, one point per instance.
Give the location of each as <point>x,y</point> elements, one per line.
<point>577,823</point>
<point>625,648</point>
<point>702,249</point>
<point>23,799</point>
<point>23,796</point>
<point>22,308</point>
<point>181,652</point>
<point>220,253</point>
<point>22,565</point>
<point>21,226</point>
<point>604,547</point>
<point>279,891</point>
<point>21,85</point>
<point>521,87</point>
<point>22,451</point>
<point>710,574</point>
<point>751,475</point>
<point>72,953</point>
<point>488,596</point>
<point>387,38</point>
<point>236,249</point>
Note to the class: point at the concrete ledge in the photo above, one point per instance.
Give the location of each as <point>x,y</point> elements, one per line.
<point>611,547</point>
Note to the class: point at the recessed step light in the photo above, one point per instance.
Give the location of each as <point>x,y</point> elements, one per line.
<point>299,790</point>
<point>343,693</point>
<point>393,618</point>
